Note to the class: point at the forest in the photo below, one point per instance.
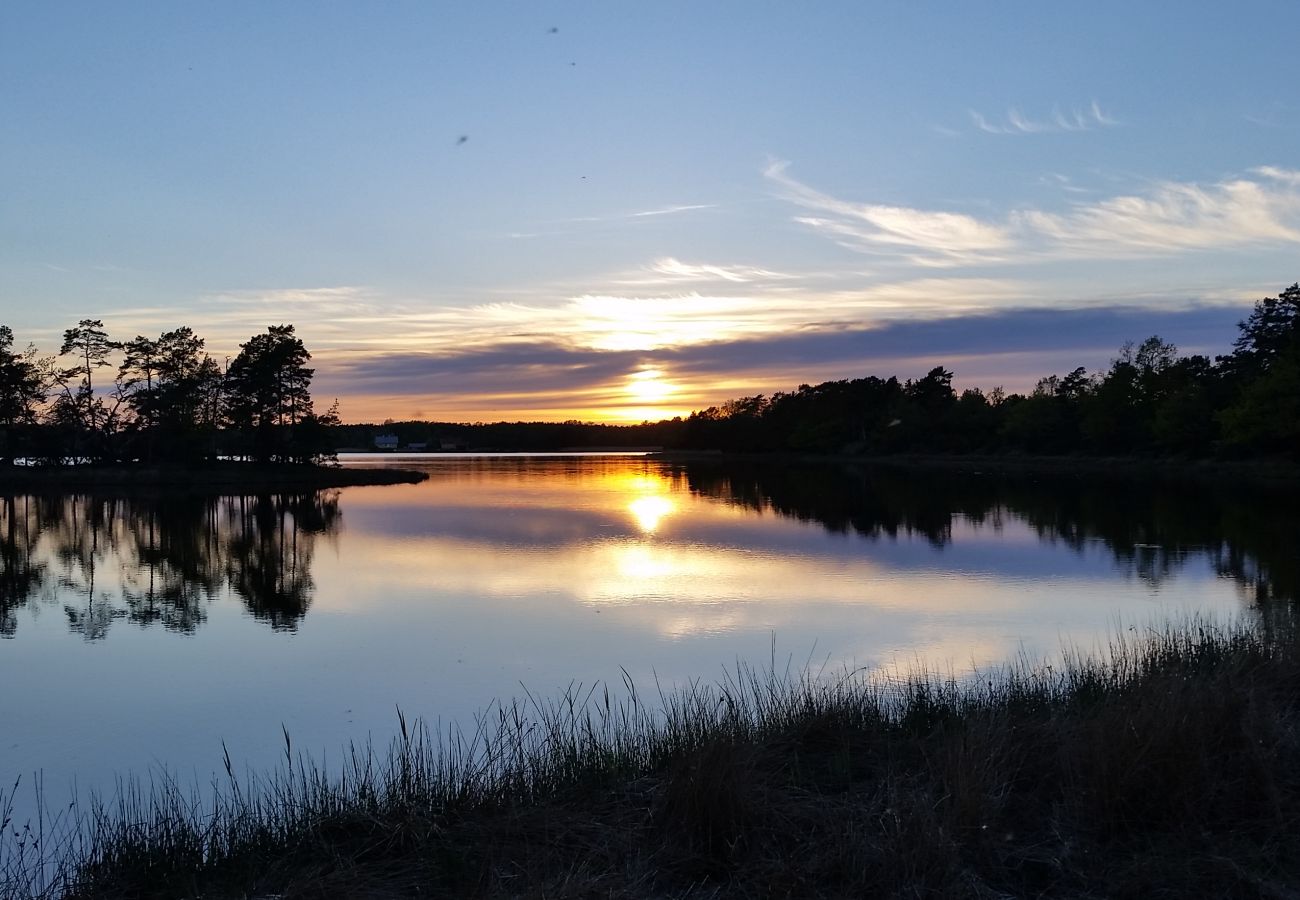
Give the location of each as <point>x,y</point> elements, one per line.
<point>158,400</point>
<point>1151,401</point>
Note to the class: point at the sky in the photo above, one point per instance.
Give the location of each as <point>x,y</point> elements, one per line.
<point>616,211</point>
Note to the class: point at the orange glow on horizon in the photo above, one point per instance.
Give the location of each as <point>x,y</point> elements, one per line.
<point>653,393</point>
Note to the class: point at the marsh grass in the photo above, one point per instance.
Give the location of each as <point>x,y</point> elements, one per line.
<point>1168,765</point>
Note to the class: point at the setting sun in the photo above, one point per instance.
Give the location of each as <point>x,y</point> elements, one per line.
<point>648,386</point>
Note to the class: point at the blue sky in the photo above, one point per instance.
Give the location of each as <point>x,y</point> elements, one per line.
<point>483,211</point>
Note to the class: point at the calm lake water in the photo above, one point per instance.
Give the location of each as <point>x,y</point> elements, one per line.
<point>139,633</point>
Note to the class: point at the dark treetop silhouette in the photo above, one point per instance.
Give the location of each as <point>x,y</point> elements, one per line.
<point>170,402</point>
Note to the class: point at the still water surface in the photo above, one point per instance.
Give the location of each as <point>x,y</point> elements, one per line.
<point>139,633</point>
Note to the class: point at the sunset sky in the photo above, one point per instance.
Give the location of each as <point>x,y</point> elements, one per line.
<point>617,211</point>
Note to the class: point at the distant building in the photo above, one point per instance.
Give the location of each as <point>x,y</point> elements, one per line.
<point>386,442</point>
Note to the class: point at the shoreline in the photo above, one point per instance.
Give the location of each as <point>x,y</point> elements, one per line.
<point>220,476</point>
<point>1261,472</point>
<point>1160,766</point>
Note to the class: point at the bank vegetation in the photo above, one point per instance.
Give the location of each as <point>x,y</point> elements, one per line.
<point>1164,765</point>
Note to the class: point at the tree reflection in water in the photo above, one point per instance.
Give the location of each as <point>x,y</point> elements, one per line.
<point>1150,529</point>
<point>21,575</point>
<point>160,560</point>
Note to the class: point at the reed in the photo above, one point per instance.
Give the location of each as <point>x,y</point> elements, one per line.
<point>1165,764</point>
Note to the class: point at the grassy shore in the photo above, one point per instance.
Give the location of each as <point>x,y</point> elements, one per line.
<point>253,477</point>
<point>1167,766</point>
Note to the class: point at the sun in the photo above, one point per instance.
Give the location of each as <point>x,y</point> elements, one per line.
<point>649,386</point>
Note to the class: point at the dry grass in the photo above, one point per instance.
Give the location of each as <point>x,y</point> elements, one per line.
<point>1169,766</point>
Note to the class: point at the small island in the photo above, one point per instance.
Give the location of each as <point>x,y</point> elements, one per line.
<point>171,418</point>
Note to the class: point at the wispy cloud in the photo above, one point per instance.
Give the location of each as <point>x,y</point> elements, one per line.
<point>668,269</point>
<point>949,237</point>
<point>1173,217</point>
<point>1272,115</point>
<point>636,214</point>
<point>671,210</point>
<point>1286,176</point>
<point>600,320</point>
<point>1085,119</point>
<point>1261,207</point>
<point>1064,183</point>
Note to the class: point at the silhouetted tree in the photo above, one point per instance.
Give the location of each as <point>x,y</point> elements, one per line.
<point>78,409</point>
<point>171,384</point>
<point>22,390</point>
<point>1118,415</point>
<point>1049,419</point>
<point>1265,366</point>
<point>1183,415</point>
<point>267,390</point>
<point>934,391</point>
<point>88,343</point>
<point>1271,333</point>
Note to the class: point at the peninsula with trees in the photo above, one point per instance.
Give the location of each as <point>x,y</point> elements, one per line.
<point>162,411</point>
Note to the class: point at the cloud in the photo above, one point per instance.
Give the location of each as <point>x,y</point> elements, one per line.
<point>611,321</point>
<point>1260,208</point>
<point>674,270</point>
<point>1085,119</point>
<point>540,376</point>
<point>1275,114</point>
<point>888,348</point>
<point>546,229</point>
<point>952,237</point>
<point>671,210</point>
<point>1173,217</point>
<point>1286,176</point>
<point>637,214</point>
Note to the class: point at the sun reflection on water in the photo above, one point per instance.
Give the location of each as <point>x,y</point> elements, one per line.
<point>637,562</point>
<point>649,510</point>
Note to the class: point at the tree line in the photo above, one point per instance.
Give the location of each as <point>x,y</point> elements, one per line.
<point>158,400</point>
<point>165,400</point>
<point>1151,401</point>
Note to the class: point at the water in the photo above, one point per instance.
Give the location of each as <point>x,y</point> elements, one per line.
<point>138,633</point>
